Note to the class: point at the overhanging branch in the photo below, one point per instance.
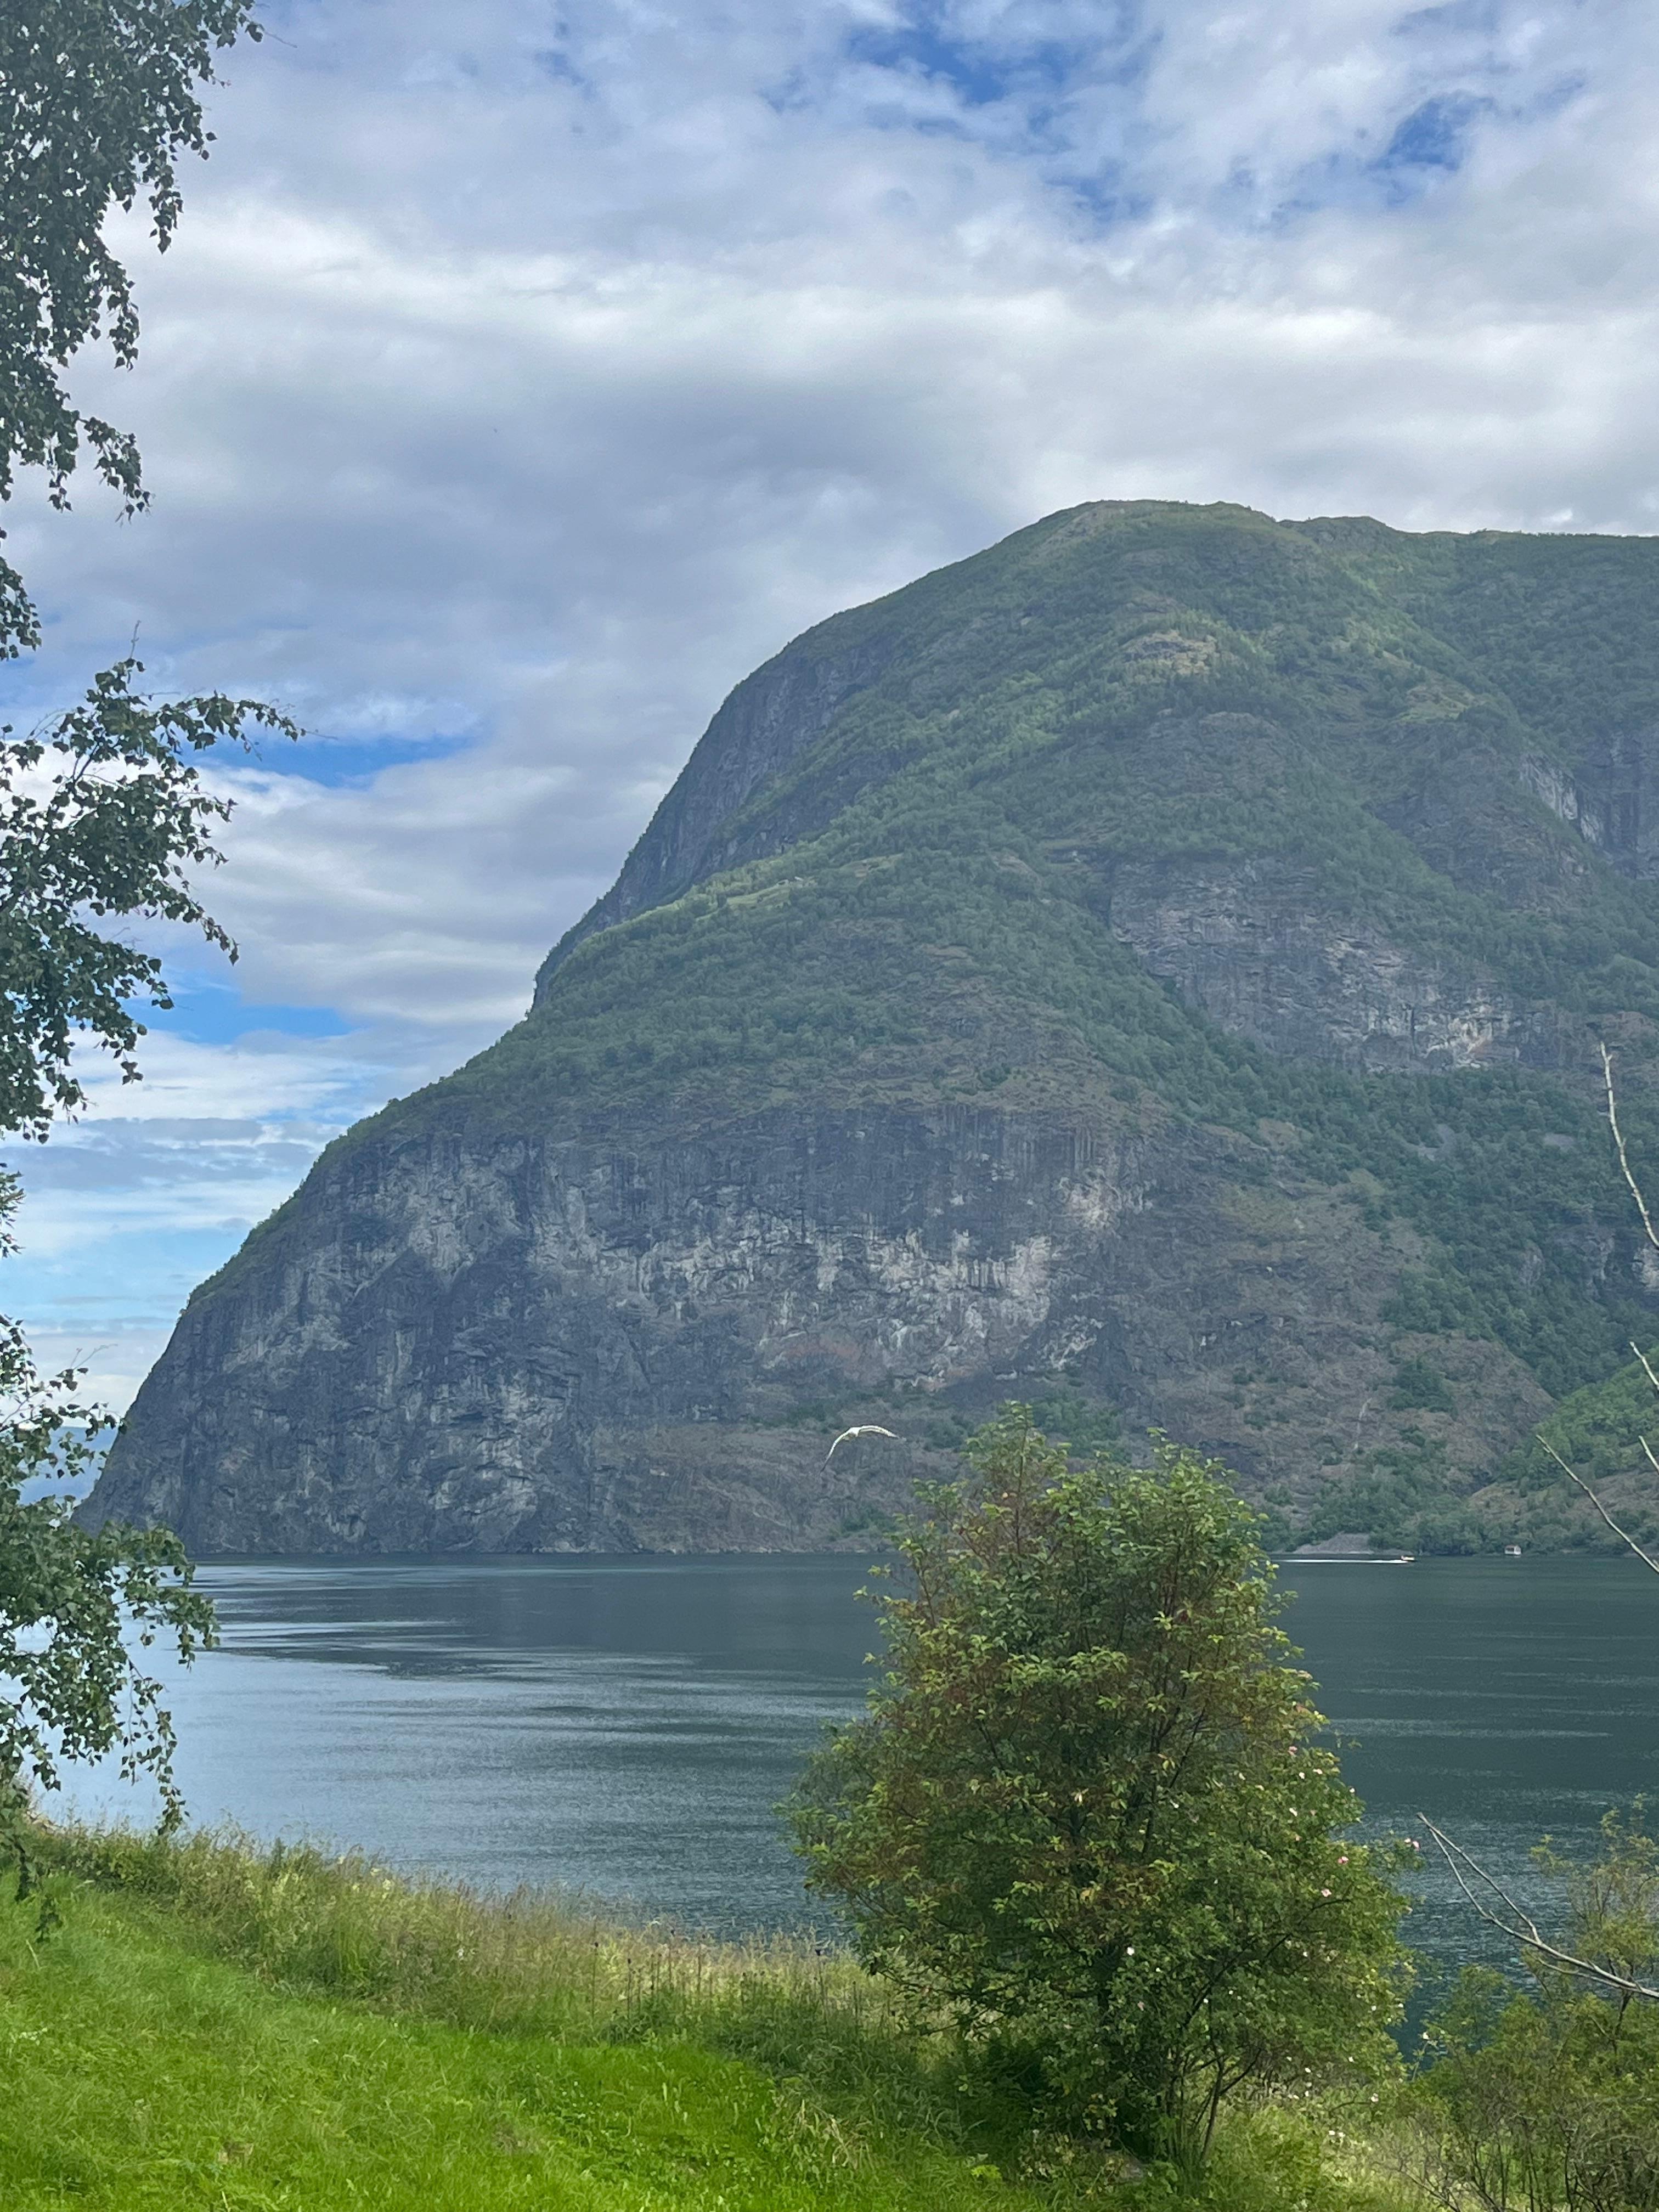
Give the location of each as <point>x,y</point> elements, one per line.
<point>1519,1926</point>
<point>1623,1534</point>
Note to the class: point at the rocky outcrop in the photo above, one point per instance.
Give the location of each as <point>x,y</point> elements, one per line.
<point>572,1347</point>
<point>1611,798</point>
<point>1254,945</point>
<point>468,1345</point>
<point>773,716</point>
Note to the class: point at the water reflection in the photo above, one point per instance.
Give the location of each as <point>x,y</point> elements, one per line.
<point>621,1727</point>
<point>1506,1698</point>
<point>625,1726</point>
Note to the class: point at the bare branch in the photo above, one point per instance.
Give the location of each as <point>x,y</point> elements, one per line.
<point>1520,1927</point>
<point>1635,1190</point>
<point>1624,1157</point>
<point>1623,1534</point>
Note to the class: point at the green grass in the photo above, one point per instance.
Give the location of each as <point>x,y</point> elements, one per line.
<point>205,2025</point>
<point>144,2070</point>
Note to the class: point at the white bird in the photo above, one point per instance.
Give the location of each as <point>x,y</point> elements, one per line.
<point>865,1429</point>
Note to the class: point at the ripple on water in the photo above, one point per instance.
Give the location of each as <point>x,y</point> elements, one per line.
<point>626,1726</point>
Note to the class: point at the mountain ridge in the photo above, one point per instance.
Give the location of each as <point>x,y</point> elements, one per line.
<point>1162,891</point>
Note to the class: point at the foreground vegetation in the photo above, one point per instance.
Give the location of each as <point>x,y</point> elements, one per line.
<point>1113,1949</point>
<point>1087,1814</point>
<point>195,2022</point>
<point>149,2070</point>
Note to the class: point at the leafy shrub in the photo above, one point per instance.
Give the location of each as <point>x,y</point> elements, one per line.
<point>1418,1383</point>
<point>1541,2102</point>
<point>1084,1815</point>
<point>1549,2098</point>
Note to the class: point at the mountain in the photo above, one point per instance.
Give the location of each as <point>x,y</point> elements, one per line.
<point>1152,969</point>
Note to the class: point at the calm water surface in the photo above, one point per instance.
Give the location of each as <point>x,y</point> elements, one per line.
<point>625,1726</point>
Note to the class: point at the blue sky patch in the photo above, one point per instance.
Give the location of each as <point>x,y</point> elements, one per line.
<point>1435,136</point>
<point>207,1011</point>
<point>341,762</point>
<point>979,74</point>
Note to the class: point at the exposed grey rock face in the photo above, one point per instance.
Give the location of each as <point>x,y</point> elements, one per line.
<point>499,1347</point>
<point>772,716</point>
<point>1611,798</point>
<point>1254,944</point>
<point>571,1348</point>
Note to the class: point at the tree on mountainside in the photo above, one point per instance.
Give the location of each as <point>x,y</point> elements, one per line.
<point>1084,1814</point>
<point>103,816</point>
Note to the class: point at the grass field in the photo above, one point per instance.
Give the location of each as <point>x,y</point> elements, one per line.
<point>203,2026</point>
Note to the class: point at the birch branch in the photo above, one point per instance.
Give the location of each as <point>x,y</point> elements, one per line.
<point>1635,1188</point>
<point>1476,1885</point>
<point>1520,1927</point>
<point>1624,1536</point>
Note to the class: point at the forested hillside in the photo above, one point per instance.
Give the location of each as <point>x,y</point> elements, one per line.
<point>1154,969</point>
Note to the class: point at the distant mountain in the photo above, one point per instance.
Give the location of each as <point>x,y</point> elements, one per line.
<point>1152,969</point>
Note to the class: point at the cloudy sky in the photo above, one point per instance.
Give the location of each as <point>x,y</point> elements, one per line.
<point>526,371</point>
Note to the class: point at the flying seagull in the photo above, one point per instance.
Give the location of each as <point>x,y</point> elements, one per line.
<point>865,1428</point>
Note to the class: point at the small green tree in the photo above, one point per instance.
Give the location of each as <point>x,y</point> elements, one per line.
<point>1083,1811</point>
<point>69,1601</point>
<point>103,815</point>
<point>98,101</point>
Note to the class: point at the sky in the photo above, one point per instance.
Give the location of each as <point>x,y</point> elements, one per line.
<point>523,375</point>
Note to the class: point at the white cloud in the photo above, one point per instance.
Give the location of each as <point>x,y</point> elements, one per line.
<point>523,376</point>
<point>127,1208</point>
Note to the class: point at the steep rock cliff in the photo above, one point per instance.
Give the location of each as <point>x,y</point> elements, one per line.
<point>1154,966</point>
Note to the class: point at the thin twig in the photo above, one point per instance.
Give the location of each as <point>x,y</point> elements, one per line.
<point>1623,1535</point>
<point>1635,1190</point>
<point>1527,1933</point>
<point>1624,1157</point>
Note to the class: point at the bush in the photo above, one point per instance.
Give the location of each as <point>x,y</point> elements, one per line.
<point>1541,2101</point>
<point>1551,2097</point>
<point>1273,2159</point>
<point>1084,1814</point>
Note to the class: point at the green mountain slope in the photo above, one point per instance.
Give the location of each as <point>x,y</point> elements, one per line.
<point>1211,916</point>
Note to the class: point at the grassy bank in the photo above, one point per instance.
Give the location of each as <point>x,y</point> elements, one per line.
<point>199,2024</point>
